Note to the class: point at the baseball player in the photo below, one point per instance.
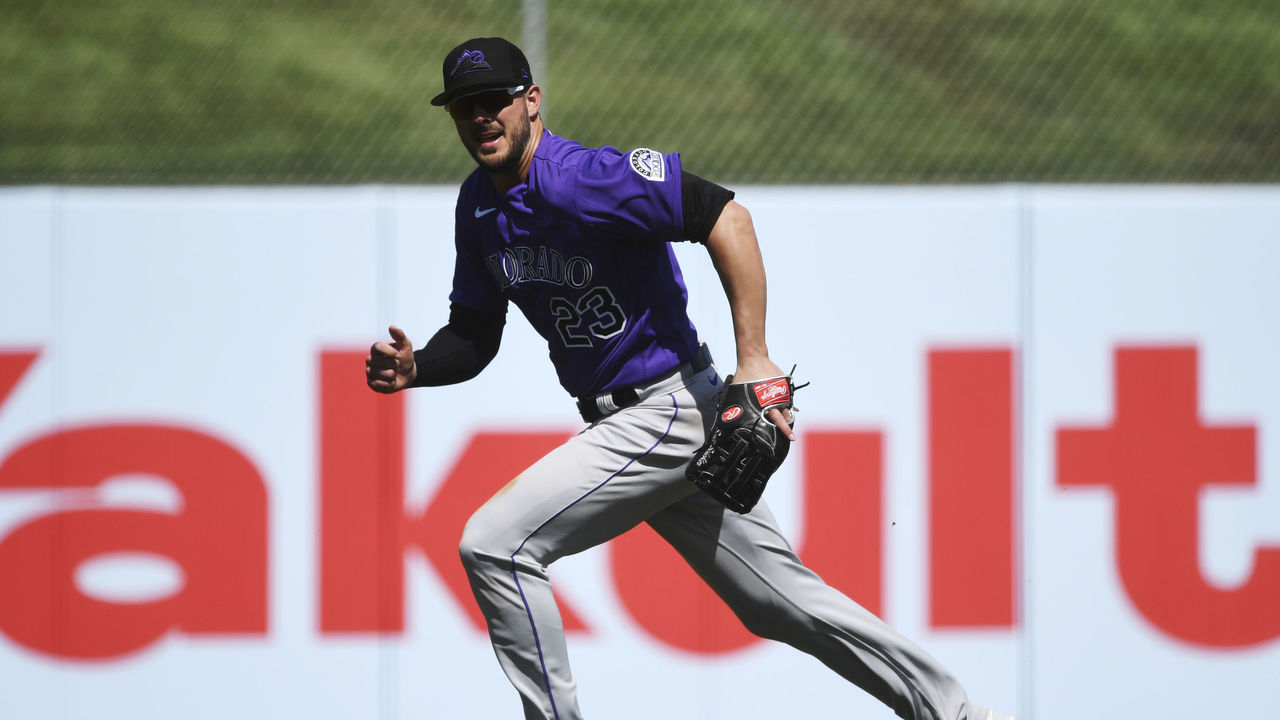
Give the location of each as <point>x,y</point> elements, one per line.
<point>579,240</point>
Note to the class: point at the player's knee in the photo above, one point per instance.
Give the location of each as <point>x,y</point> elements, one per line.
<point>479,546</point>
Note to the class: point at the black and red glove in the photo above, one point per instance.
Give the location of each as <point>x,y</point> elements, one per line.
<point>744,447</point>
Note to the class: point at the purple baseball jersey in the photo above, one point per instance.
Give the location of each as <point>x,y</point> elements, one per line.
<point>583,249</point>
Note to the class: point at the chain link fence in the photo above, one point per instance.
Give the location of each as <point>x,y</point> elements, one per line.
<point>750,91</point>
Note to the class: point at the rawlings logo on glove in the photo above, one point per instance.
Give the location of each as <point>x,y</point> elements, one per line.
<point>771,393</point>
<point>744,447</point>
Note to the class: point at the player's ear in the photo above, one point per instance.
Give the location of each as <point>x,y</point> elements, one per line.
<point>533,101</point>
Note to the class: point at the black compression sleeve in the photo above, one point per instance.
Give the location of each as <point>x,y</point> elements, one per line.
<point>461,349</point>
<point>702,201</point>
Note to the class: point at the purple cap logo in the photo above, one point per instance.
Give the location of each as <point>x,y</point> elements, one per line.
<point>470,61</point>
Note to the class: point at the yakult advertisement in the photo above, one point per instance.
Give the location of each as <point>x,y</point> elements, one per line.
<point>1039,441</point>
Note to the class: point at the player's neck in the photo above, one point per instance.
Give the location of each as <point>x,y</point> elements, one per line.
<point>506,181</point>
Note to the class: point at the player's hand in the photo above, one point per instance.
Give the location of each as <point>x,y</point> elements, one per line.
<point>750,369</point>
<point>389,366</point>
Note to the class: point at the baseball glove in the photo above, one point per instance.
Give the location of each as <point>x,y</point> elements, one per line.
<point>744,447</point>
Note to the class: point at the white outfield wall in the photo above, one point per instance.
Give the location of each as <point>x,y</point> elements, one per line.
<point>1040,440</point>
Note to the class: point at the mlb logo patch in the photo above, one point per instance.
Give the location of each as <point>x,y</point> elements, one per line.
<point>649,164</point>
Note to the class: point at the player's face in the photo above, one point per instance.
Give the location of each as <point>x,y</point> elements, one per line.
<point>494,126</point>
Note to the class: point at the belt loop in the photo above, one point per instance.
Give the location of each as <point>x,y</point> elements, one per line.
<point>593,408</point>
<point>605,404</point>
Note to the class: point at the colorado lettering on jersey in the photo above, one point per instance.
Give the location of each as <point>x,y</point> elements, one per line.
<point>521,263</point>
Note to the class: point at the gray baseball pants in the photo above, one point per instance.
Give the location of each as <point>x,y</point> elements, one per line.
<point>626,469</point>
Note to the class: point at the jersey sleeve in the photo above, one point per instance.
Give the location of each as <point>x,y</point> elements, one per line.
<point>473,285</point>
<point>632,194</point>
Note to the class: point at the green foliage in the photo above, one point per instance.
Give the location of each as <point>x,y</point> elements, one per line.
<point>807,91</point>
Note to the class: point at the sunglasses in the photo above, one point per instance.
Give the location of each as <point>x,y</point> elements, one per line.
<point>491,101</point>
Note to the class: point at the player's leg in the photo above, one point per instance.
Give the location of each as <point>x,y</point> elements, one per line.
<point>597,485</point>
<point>748,562</point>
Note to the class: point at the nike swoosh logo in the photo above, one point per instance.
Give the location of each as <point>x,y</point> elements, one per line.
<point>481,213</point>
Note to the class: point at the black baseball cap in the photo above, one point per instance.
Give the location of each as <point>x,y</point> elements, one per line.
<point>482,64</point>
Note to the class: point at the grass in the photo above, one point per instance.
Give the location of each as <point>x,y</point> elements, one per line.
<point>807,91</point>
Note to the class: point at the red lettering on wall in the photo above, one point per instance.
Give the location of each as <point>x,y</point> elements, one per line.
<point>361,501</point>
<point>219,538</point>
<point>1157,457</point>
<point>13,365</point>
<point>842,514</point>
<point>971,535</point>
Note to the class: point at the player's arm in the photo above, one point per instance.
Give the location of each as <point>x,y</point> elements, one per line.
<point>735,253</point>
<point>713,218</point>
<point>457,352</point>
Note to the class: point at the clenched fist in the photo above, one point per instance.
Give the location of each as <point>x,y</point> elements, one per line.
<point>389,366</point>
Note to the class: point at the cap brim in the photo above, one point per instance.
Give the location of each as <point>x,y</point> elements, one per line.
<point>449,96</point>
